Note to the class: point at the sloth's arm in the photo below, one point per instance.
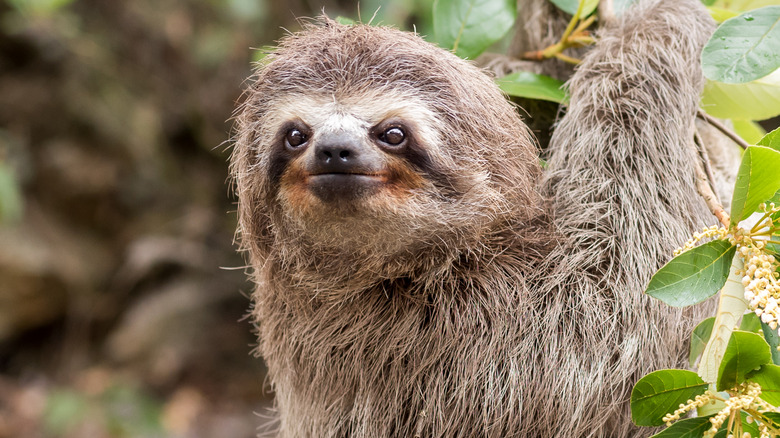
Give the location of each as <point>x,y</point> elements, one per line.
<point>621,160</point>
<point>621,181</point>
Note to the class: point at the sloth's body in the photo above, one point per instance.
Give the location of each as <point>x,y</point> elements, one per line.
<point>418,274</point>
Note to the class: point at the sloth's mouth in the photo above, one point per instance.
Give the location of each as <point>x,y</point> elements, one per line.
<point>346,174</point>
<point>338,187</point>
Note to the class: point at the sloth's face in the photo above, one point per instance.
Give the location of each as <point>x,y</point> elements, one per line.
<point>331,157</point>
<point>369,139</point>
<point>365,170</point>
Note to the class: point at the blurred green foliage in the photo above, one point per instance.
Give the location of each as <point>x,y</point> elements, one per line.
<point>115,120</point>
<point>122,410</point>
<point>10,197</point>
<point>39,7</point>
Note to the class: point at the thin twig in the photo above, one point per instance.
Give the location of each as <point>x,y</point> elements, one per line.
<point>584,24</point>
<point>704,184</point>
<point>573,22</point>
<point>703,187</point>
<point>575,35</point>
<point>705,157</point>
<point>760,223</point>
<point>566,58</point>
<point>535,55</point>
<point>729,133</point>
<point>580,41</point>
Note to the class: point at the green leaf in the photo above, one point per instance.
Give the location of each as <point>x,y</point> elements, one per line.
<point>532,86</point>
<point>570,6</point>
<point>468,27</point>
<point>720,15</point>
<point>749,130</point>
<point>694,275</point>
<point>713,407</point>
<point>687,428</point>
<point>699,337</point>
<point>744,48</point>
<point>620,6</point>
<point>756,100</point>
<point>771,140</point>
<point>661,392</point>
<point>773,248</point>
<point>757,180</point>
<point>774,417</point>
<point>745,352</point>
<point>741,5</point>
<point>750,323</point>
<point>773,339</point>
<point>769,379</point>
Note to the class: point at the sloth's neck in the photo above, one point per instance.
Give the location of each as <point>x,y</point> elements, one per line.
<point>435,265</point>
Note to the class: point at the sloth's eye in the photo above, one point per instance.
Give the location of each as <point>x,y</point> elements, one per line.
<point>295,137</point>
<point>393,136</point>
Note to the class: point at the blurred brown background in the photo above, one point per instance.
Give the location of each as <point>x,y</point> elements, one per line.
<point>122,297</point>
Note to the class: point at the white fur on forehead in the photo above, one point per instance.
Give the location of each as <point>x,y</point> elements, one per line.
<point>359,112</point>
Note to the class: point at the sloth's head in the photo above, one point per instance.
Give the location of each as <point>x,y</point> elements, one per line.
<point>370,142</point>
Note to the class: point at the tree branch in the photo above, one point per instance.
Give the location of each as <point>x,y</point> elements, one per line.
<point>705,183</point>
<point>722,128</point>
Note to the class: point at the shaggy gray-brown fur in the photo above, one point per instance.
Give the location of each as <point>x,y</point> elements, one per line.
<point>456,301</point>
<point>621,177</point>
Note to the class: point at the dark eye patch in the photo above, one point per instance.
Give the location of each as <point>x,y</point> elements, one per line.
<point>291,140</point>
<point>397,137</point>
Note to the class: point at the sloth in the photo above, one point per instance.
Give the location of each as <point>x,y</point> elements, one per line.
<point>419,275</point>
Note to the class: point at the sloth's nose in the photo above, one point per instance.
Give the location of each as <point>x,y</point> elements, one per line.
<point>338,153</point>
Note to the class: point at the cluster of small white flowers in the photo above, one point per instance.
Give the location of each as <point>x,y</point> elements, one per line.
<point>698,402</point>
<point>762,291</point>
<point>762,288</point>
<point>763,431</point>
<point>747,398</point>
<point>712,232</point>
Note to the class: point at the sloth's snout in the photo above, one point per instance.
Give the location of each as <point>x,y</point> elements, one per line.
<point>338,154</point>
<point>344,168</point>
